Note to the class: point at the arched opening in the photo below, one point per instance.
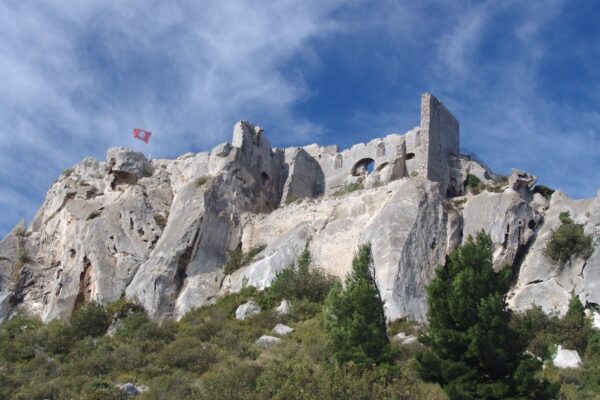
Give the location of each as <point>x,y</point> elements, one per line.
<point>264,177</point>
<point>363,167</point>
<point>409,156</point>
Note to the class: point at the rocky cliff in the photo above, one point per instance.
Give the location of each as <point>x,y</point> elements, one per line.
<point>160,231</point>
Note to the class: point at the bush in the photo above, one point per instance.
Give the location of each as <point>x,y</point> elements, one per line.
<point>348,188</point>
<point>474,184</point>
<point>201,180</point>
<point>189,354</point>
<point>303,282</point>
<point>544,191</point>
<point>568,241</point>
<point>237,258</point>
<point>91,319</point>
<point>18,337</point>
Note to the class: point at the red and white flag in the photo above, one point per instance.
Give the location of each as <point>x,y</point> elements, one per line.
<point>142,134</point>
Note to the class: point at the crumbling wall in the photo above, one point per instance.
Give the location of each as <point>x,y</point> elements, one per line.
<point>439,137</point>
<point>305,177</point>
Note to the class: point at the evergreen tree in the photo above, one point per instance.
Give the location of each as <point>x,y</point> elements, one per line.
<point>473,353</point>
<point>353,316</point>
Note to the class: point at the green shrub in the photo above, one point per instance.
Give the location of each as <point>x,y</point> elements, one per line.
<point>18,337</point>
<point>122,308</point>
<point>474,184</point>
<point>348,188</point>
<point>188,353</point>
<point>544,191</point>
<point>91,319</point>
<point>58,337</point>
<point>238,259</point>
<point>303,282</point>
<point>568,241</point>
<point>161,220</point>
<point>201,180</point>
<point>98,389</point>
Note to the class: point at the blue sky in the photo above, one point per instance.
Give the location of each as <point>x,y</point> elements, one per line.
<point>523,78</point>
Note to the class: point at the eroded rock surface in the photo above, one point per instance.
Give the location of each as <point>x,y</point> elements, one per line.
<point>160,231</point>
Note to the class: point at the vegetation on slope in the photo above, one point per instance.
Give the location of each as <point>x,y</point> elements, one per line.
<point>209,354</point>
<point>568,241</point>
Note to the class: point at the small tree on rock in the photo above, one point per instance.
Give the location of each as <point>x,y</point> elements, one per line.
<point>353,316</point>
<point>473,352</point>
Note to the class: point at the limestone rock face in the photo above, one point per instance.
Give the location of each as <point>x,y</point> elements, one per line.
<point>506,216</point>
<point>160,231</point>
<point>547,285</point>
<point>395,218</point>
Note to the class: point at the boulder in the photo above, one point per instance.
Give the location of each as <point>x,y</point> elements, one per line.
<point>283,308</point>
<point>403,338</point>
<point>566,358</point>
<point>282,330</point>
<point>133,390</point>
<point>267,341</point>
<point>247,310</point>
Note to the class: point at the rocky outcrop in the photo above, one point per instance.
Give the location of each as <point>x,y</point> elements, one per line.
<point>548,285</point>
<point>160,231</point>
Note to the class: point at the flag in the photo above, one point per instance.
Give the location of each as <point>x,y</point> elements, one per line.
<point>142,134</point>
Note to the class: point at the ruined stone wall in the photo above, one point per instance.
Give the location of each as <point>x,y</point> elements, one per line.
<point>439,136</point>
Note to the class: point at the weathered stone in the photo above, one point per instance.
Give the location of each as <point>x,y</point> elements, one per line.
<point>566,358</point>
<point>403,338</point>
<point>267,341</point>
<point>247,310</point>
<point>283,308</point>
<point>506,217</point>
<point>282,330</point>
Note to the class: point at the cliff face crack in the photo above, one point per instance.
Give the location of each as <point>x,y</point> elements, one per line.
<point>85,284</point>
<point>184,259</point>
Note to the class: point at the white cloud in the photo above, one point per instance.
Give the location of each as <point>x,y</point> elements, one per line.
<point>77,76</point>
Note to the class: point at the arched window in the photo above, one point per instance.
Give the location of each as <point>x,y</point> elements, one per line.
<point>363,167</point>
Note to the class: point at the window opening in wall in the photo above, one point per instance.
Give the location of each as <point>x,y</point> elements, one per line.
<point>380,149</point>
<point>339,160</point>
<point>363,167</point>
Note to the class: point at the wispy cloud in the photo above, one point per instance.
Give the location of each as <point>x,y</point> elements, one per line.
<point>77,76</point>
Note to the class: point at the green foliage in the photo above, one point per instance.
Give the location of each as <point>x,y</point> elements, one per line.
<point>67,172</point>
<point>18,337</point>
<point>474,184</point>
<point>353,317</point>
<point>91,319</point>
<point>161,220</point>
<point>303,282</point>
<point>473,352</point>
<point>568,241</point>
<point>201,180</point>
<point>348,188</point>
<point>237,258</point>
<point>544,191</point>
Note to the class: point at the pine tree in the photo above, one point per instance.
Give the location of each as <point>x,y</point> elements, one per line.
<point>353,316</point>
<point>473,353</point>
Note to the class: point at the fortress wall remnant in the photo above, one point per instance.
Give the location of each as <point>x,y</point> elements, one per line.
<point>338,166</point>
<point>304,178</point>
<point>439,136</point>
